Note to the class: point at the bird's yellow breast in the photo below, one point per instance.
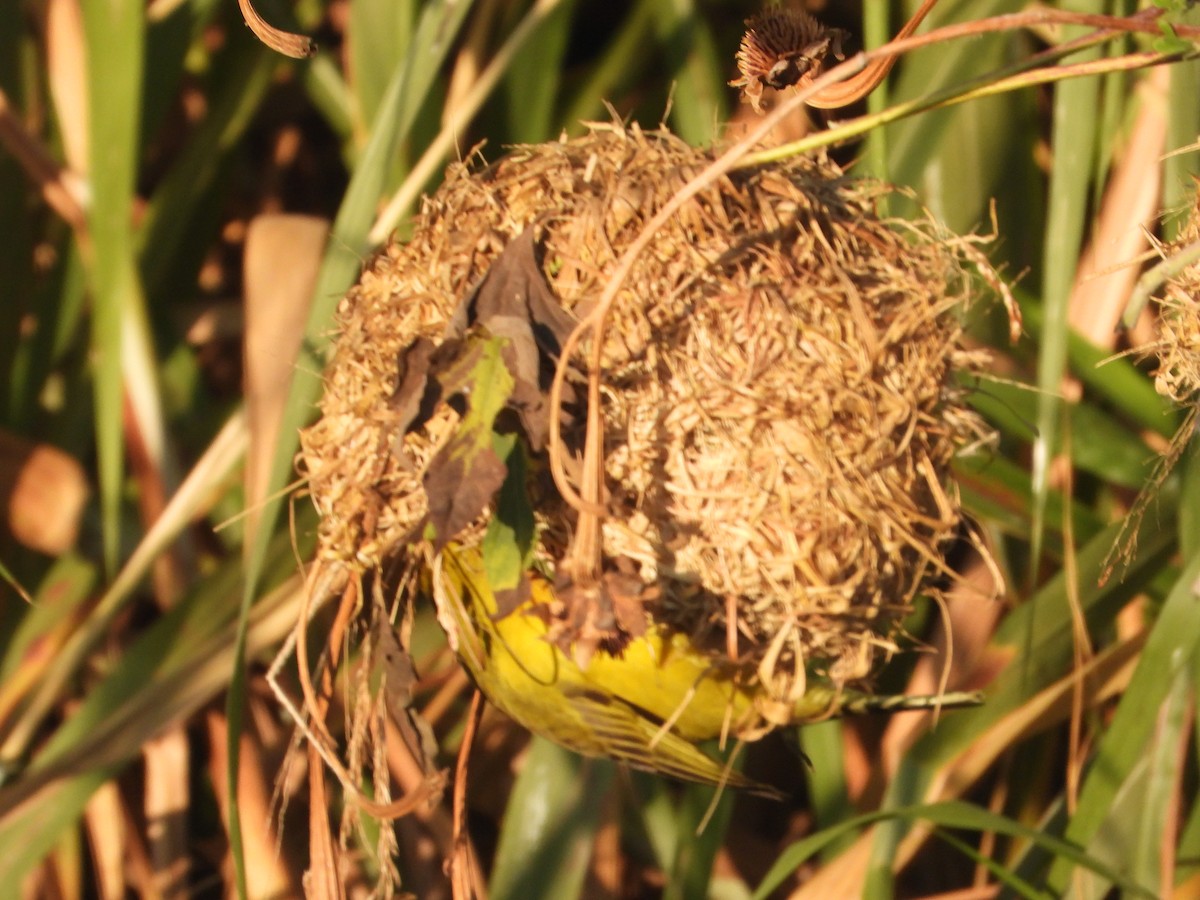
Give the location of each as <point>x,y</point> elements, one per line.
<point>663,676</point>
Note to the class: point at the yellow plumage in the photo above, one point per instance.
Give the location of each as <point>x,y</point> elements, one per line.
<point>646,707</point>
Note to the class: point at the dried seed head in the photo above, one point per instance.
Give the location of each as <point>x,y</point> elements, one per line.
<point>783,48</point>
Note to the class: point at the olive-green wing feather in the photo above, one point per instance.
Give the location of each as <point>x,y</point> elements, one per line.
<point>631,737</point>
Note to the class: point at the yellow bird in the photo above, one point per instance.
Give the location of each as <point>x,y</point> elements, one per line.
<point>646,707</point>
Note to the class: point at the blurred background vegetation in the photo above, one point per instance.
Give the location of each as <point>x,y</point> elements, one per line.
<point>180,207</point>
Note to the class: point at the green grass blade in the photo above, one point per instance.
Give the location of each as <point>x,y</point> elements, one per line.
<point>446,141</point>
<point>1150,798</point>
<point>953,156</point>
<point>877,31</point>
<point>950,814</point>
<point>1187,850</point>
<point>349,243</point>
<point>532,86</point>
<point>549,825</point>
<point>329,93</point>
<point>1183,129</point>
<point>1032,666</point>
<point>64,589</point>
<point>655,809</point>
<point>114,37</point>
<point>1116,380</point>
<point>823,744</point>
<point>1128,739</point>
<point>690,874</point>
<point>1189,511</point>
<point>1073,142</point>
<point>380,34</point>
<point>1003,875</point>
<point>211,470</point>
<point>62,303</point>
<point>1112,450</point>
<point>1048,616</point>
<point>698,102</point>
<point>160,681</point>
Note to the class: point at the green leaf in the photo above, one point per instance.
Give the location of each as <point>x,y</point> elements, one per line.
<point>1170,42</point>
<point>532,86</point>
<point>114,33</point>
<point>175,667</point>
<point>508,543</point>
<point>1128,740</point>
<point>550,824</point>
<point>1073,142</point>
<point>950,814</point>
<point>698,103</point>
<point>466,474</point>
<point>691,869</point>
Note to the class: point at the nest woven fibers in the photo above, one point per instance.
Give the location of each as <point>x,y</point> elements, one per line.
<point>779,382</point>
<point>1178,345</point>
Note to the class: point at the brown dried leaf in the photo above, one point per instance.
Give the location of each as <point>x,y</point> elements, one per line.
<point>466,473</point>
<point>413,398</point>
<point>394,662</point>
<point>459,483</point>
<point>297,46</point>
<point>514,301</point>
<point>510,599</point>
<point>498,351</point>
<point>604,616</point>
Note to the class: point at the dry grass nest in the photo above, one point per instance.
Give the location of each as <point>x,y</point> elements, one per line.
<point>1178,346</point>
<point>781,399</point>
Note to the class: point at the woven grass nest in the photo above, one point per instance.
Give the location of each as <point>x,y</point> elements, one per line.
<point>1178,345</point>
<point>779,398</point>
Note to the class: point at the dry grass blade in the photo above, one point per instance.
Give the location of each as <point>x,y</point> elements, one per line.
<point>323,880</point>
<point>60,188</point>
<point>296,46</point>
<point>267,872</point>
<point>66,55</point>
<point>283,254</point>
<point>1108,269</point>
<point>465,878</point>
<point>167,800</point>
<point>105,821</point>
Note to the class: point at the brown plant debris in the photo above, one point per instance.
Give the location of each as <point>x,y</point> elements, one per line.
<point>1178,345</point>
<point>779,399</point>
<point>783,48</point>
